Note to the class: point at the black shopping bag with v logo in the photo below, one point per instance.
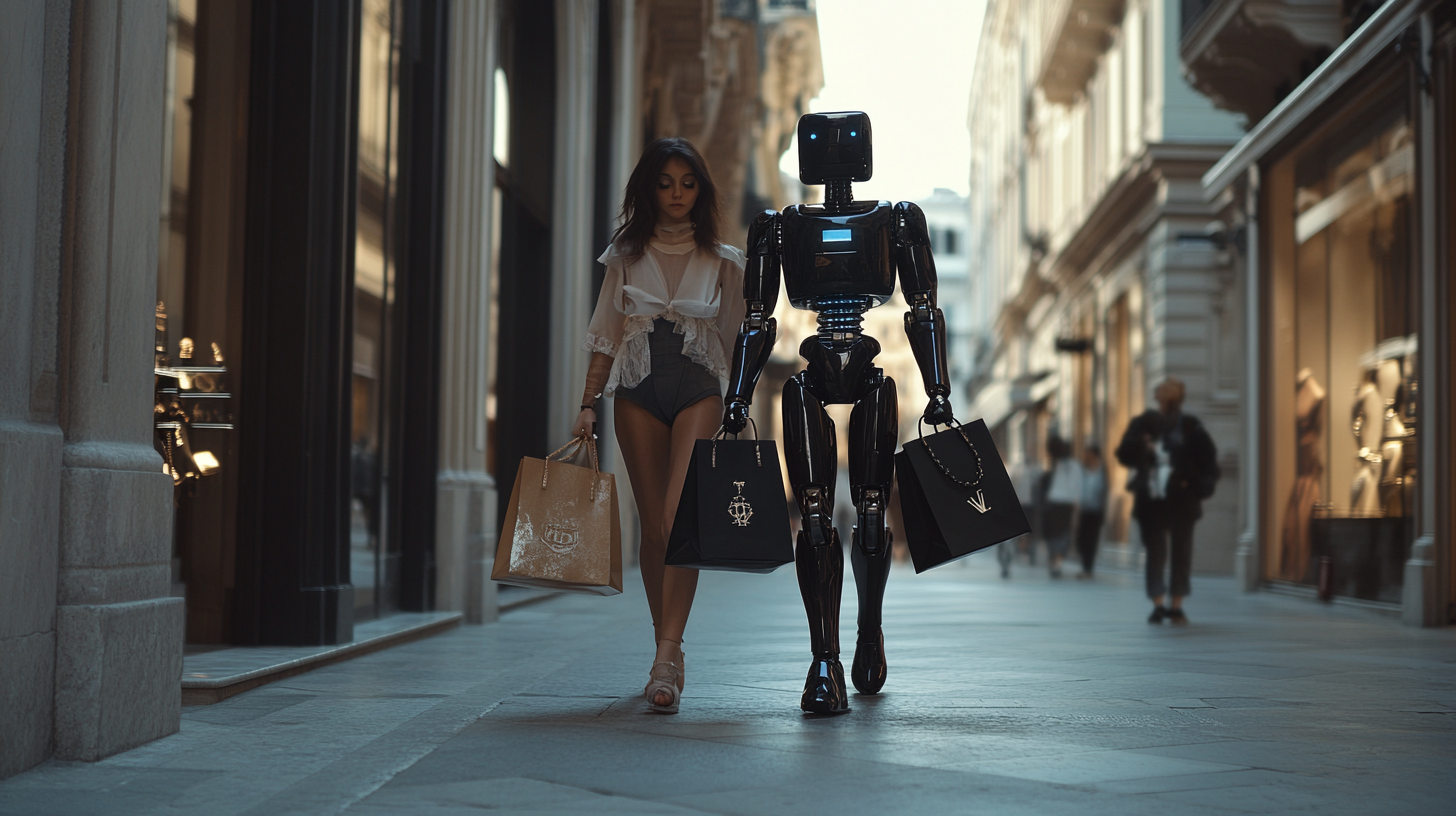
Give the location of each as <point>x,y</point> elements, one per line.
<point>955,496</point>
<point>733,514</point>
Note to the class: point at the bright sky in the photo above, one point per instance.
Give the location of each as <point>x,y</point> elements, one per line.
<point>908,64</point>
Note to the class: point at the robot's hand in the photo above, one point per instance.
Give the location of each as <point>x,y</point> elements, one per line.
<point>938,411</point>
<point>735,415</point>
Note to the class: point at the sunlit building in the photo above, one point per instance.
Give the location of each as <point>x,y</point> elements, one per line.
<point>1098,270</point>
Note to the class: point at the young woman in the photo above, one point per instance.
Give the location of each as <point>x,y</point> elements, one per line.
<point>660,339</point>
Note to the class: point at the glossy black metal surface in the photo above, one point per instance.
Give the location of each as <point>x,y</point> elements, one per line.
<point>838,253</point>
<point>810,448</point>
<point>762,268</point>
<point>820,569</point>
<point>835,146</point>
<point>839,376</point>
<point>912,251</point>
<point>871,574</point>
<point>840,259</point>
<point>874,429</point>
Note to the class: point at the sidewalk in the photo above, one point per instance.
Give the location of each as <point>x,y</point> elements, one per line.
<point>1025,696</point>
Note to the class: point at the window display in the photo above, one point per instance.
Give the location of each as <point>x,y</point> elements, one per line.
<point>1347,439</point>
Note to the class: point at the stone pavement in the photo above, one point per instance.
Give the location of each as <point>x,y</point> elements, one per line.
<point>1020,697</point>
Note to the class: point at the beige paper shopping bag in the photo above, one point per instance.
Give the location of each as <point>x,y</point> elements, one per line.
<point>562,530</point>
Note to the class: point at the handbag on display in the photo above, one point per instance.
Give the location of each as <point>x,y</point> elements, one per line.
<point>733,514</point>
<point>562,529</point>
<point>955,495</point>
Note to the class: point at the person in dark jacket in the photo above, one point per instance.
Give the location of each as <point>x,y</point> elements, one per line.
<point>1175,467</point>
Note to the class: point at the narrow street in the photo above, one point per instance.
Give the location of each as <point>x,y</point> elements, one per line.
<point>1025,696</point>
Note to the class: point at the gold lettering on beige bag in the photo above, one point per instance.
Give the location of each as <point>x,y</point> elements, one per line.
<point>561,536</point>
<point>739,508</point>
<point>978,501</point>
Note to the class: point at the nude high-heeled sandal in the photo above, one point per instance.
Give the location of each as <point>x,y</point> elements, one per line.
<point>667,678</point>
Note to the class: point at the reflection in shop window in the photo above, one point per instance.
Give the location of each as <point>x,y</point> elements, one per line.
<point>374,312</point>
<point>1350,428</point>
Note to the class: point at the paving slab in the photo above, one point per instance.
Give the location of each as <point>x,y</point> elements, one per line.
<point>1027,696</point>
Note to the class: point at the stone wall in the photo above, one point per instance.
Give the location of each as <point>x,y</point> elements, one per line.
<point>90,641</point>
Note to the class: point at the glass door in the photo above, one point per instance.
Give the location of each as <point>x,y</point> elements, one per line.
<point>374,319</point>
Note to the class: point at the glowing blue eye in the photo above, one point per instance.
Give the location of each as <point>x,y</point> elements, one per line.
<point>813,135</point>
<point>852,133</point>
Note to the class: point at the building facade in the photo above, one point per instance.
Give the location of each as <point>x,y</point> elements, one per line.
<point>1098,273</point>
<point>292,286</point>
<point>1339,206</point>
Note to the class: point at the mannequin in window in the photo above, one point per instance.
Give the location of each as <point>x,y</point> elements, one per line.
<point>1388,382</point>
<point>1367,416</point>
<point>1309,404</point>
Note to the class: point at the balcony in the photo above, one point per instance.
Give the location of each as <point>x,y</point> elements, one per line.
<point>1246,55</point>
<point>1081,32</point>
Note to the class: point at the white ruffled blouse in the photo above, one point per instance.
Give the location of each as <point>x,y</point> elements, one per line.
<point>679,281</point>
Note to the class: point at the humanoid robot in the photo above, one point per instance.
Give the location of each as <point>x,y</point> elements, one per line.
<point>840,259</point>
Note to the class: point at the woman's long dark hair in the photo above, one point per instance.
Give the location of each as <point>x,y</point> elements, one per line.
<point>639,206</point>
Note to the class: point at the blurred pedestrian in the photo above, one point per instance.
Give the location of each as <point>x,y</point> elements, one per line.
<point>1063,492</point>
<point>1175,467</point>
<point>1026,479</point>
<point>1091,509</point>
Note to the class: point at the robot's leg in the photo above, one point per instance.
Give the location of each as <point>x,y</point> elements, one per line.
<point>874,428</point>
<point>819,559</point>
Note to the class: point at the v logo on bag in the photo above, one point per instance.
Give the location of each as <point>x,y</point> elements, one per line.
<point>561,536</point>
<point>978,501</point>
<point>739,508</point>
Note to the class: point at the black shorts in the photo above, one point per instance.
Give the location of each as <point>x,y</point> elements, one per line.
<point>675,382</point>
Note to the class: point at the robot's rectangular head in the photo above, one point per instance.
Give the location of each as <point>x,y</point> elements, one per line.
<point>835,146</point>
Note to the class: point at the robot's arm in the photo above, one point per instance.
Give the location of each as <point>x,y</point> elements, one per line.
<point>924,323</point>
<point>756,338</point>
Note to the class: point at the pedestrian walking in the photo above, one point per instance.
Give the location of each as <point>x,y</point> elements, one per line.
<point>1063,492</point>
<point>1091,509</point>
<point>1026,479</point>
<point>1175,467</point>
<point>660,340</point>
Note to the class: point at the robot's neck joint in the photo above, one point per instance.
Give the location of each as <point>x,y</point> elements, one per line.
<point>838,194</point>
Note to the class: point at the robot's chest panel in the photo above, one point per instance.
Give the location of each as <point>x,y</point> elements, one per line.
<point>844,253</point>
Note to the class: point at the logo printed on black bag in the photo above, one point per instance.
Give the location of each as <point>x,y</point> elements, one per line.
<point>561,536</point>
<point>739,508</point>
<point>978,501</point>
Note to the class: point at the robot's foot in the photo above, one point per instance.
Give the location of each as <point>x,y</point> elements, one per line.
<point>869,670</point>
<point>824,690</point>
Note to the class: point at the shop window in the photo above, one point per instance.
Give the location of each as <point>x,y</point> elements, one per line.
<point>371,556</point>
<point>1344,362</point>
<point>198,300</point>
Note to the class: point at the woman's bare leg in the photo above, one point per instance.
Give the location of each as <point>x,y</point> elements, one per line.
<point>698,421</point>
<point>645,443</point>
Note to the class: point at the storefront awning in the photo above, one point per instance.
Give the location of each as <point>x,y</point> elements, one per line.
<point>1367,43</point>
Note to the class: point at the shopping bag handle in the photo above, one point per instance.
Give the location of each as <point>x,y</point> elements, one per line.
<point>722,433</point>
<point>961,432</point>
<point>575,445</point>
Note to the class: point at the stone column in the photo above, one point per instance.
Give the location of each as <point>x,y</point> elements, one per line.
<point>1247,557</point>
<point>466,530</point>
<point>118,633</point>
<point>626,129</point>
<point>572,196</point>
<point>34,49</point>
<point>1424,594</point>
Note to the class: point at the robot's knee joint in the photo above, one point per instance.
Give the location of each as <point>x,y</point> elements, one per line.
<point>817,522</point>
<point>871,530</point>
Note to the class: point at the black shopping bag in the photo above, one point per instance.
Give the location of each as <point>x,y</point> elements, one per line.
<point>733,514</point>
<point>955,495</point>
